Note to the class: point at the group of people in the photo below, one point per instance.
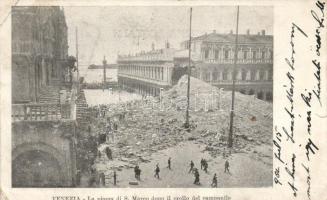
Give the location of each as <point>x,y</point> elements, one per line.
<point>195,171</point>
<point>204,167</point>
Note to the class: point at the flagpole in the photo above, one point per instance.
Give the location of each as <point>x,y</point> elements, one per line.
<point>187,122</point>
<point>230,136</point>
<point>77,67</point>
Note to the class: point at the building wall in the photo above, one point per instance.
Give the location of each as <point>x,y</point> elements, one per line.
<point>54,138</point>
<point>39,45</point>
<point>214,56</point>
<point>146,73</point>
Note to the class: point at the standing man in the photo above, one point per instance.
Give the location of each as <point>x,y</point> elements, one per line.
<point>169,163</point>
<point>102,179</point>
<point>227,166</point>
<point>205,166</point>
<point>136,171</point>
<point>197,177</point>
<point>157,170</point>
<point>191,167</point>
<point>115,178</point>
<point>214,181</point>
<point>108,153</point>
<point>201,163</point>
<point>138,174</point>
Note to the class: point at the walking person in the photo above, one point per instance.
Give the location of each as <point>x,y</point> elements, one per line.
<point>169,163</point>
<point>214,181</point>
<point>139,174</point>
<point>201,163</point>
<point>197,177</point>
<point>157,170</point>
<point>191,167</point>
<point>115,178</point>
<point>102,179</point>
<point>78,178</point>
<point>205,166</point>
<point>136,171</point>
<point>227,166</point>
<point>108,153</point>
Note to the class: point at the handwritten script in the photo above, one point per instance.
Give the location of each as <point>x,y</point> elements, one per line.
<point>310,95</point>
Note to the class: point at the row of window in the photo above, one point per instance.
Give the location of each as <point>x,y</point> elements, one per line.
<point>143,71</point>
<point>245,75</point>
<point>242,55</point>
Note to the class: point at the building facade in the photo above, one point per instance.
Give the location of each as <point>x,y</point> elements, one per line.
<point>43,102</point>
<point>39,50</point>
<point>213,58</point>
<point>147,72</point>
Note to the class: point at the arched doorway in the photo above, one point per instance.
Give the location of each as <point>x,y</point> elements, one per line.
<point>36,168</point>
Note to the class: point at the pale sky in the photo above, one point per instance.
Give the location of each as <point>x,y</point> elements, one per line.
<point>117,29</point>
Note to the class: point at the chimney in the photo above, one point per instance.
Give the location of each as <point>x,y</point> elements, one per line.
<point>152,46</point>
<point>231,32</point>
<point>248,32</point>
<point>214,31</point>
<point>263,32</point>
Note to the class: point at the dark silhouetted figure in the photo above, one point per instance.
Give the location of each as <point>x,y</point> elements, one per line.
<point>191,167</point>
<point>136,168</point>
<point>205,166</point>
<point>214,181</point>
<point>157,170</point>
<point>108,153</point>
<point>227,166</point>
<point>169,163</point>
<point>102,179</point>
<point>197,177</point>
<point>115,178</point>
<point>201,163</point>
<point>78,177</point>
<point>138,174</point>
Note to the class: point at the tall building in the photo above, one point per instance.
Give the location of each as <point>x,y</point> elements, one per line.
<point>43,99</point>
<point>213,59</point>
<point>147,72</point>
<point>39,50</point>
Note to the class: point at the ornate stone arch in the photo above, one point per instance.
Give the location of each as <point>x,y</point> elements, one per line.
<point>43,147</point>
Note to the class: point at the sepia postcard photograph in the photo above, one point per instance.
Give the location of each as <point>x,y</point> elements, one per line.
<point>136,100</point>
<point>142,97</point>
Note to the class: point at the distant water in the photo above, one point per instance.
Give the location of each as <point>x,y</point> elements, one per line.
<point>96,75</point>
<point>96,97</point>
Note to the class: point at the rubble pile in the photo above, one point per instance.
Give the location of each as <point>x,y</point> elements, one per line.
<point>151,125</point>
<point>252,116</point>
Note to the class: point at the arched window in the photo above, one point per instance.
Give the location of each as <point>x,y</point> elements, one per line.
<point>224,75</point>
<point>243,74</point>
<point>263,55</point>
<point>216,54</point>
<point>245,54</point>
<point>226,54</point>
<point>261,75</point>
<point>206,53</point>
<point>254,54</point>
<point>253,74</point>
